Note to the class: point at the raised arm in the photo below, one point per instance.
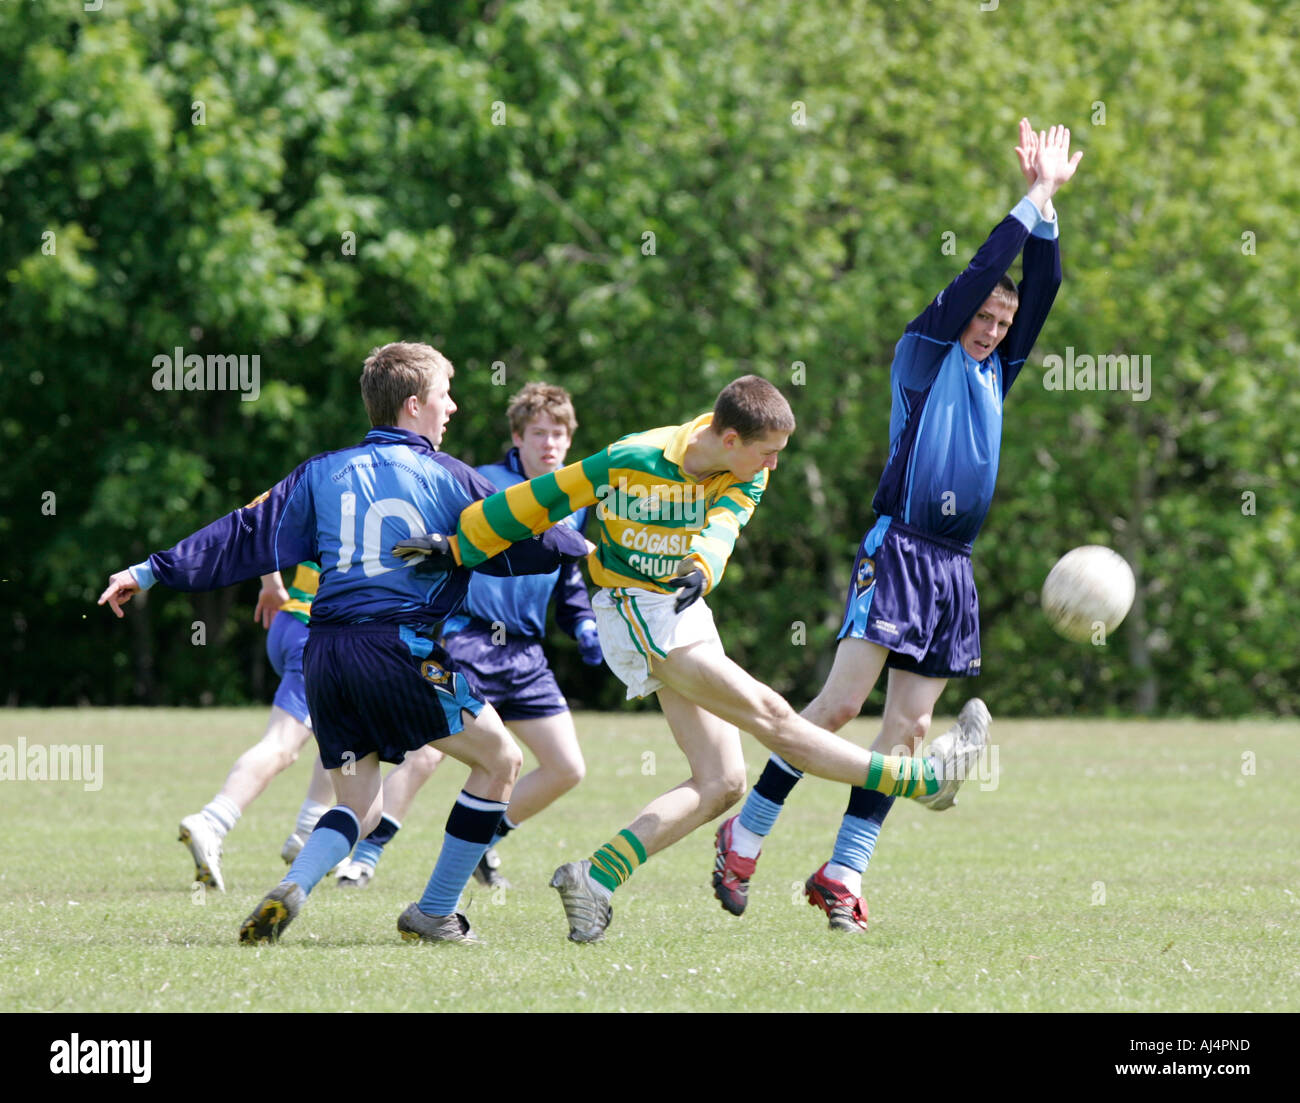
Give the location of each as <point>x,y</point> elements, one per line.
<point>1046,164</point>
<point>1046,161</point>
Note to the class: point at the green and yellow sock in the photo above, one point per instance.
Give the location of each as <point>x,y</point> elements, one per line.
<point>901,776</point>
<point>614,862</point>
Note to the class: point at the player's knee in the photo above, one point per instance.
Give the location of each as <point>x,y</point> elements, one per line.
<point>836,712</point>
<point>423,762</point>
<point>568,774</point>
<point>905,736</point>
<point>722,792</point>
<point>503,759</point>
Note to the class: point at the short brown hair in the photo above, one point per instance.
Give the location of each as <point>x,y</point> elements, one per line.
<point>753,407</point>
<point>536,399</point>
<point>1007,293</point>
<point>396,371</point>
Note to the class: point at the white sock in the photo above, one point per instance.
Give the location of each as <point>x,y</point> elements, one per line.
<point>308,815</point>
<point>851,879</point>
<point>744,842</point>
<point>222,813</point>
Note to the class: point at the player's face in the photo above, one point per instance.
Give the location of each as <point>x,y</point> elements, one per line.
<point>542,446</point>
<point>435,411</point>
<point>747,460</point>
<point>987,328</point>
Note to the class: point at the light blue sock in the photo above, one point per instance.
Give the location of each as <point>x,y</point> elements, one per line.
<point>860,829</point>
<point>766,799</point>
<point>470,827</point>
<point>759,814</point>
<point>329,844</point>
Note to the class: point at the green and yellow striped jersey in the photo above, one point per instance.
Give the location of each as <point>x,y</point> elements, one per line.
<point>306,578</point>
<point>649,513</point>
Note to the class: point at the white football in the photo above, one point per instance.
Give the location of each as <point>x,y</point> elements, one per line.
<point>1088,593</point>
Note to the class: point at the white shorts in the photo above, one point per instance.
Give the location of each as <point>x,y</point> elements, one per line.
<point>639,627</point>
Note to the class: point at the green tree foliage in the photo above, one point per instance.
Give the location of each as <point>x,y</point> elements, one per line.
<point>641,202</point>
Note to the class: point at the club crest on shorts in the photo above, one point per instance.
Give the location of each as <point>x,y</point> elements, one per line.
<point>433,672</point>
<point>866,576</point>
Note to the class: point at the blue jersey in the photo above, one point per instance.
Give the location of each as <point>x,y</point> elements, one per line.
<point>945,425</point>
<point>520,604</point>
<point>345,510</point>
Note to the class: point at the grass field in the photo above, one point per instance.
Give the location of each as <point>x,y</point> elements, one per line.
<point>1115,867</point>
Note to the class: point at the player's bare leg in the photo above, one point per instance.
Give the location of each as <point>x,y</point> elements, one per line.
<point>253,770</point>
<point>277,750</point>
<point>853,675</point>
<point>909,709</point>
<point>713,752</point>
<point>560,766</point>
<point>703,674</point>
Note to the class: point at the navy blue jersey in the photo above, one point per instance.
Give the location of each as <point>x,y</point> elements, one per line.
<point>345,510</point>
<point>520,604</point>
<point>945,425</point>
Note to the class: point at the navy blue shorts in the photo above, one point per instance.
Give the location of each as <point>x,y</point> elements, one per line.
<point>513,674</point>
<point>915,595</point>
<point>284,644</point>
<point>381,688</point>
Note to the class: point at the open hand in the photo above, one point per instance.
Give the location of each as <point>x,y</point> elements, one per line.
<point>1027,152</point>
<point>1052,162</point>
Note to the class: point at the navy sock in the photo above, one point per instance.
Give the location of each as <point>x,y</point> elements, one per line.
<point>372,846</point>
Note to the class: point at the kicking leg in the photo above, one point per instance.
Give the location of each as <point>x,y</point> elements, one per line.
<point>703,674</point>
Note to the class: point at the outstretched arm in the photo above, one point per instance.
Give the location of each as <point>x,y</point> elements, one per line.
<point>1046,164</point>
<point>274,530</point>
